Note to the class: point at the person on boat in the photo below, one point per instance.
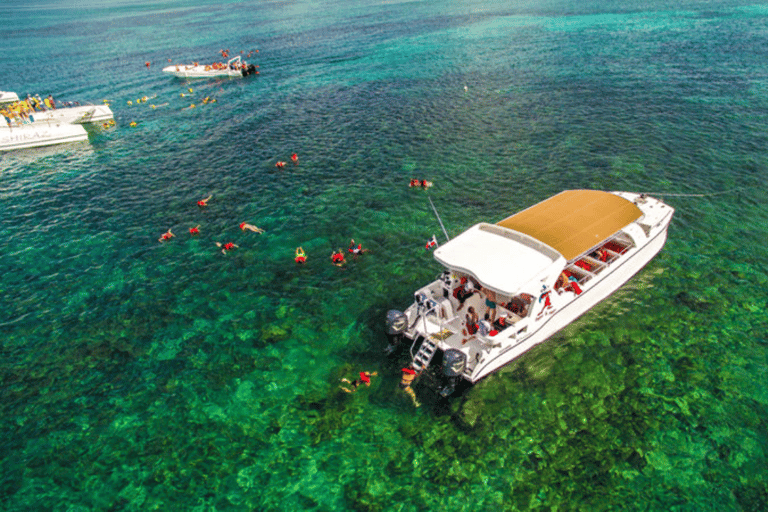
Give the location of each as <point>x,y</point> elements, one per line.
<point>406,379</point>
<point>50,102</point>
<point>250,227</point>
<point>226,247</point>
<point>166,236</point>
<point>195,230</point>
<point>465,290</point>
<point>567,282</point>
<point>600,254</point>
<point>490,304</point>
<point>545,291</point>
<point>337,258</point>
<point>295,158</point>
<point>300,256</point>
<point>204,202</point>
<point>470,324</point>
<point>355,249</point>
<point>365,378</point>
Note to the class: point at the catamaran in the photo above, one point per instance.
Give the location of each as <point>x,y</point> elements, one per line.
<point>235,67</point>
<point>510,286</point>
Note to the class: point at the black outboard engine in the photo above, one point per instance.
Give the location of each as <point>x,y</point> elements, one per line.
<point>248,70</point>
<point>454,363</point>
<point>397,323</point>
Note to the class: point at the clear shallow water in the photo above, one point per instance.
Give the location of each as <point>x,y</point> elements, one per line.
<point>146,376</point>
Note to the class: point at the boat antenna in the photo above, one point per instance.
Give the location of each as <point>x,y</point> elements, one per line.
<point>447,238</point>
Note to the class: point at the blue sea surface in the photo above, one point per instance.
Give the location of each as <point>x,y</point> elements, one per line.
<point>147,375</point>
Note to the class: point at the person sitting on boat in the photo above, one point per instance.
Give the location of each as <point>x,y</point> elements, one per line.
<point>465,290</point>
<point>250,227</point>
<point>567,282</point>
<point>300,256</point>
<point>470,323</point>
<point>365,378</point>
<point>50,102</point>
<point>600,254</point>
<point>338,258</point>
<point>407,378</point>
<point>501,323</point>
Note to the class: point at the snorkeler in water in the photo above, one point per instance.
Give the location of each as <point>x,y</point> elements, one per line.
<point>250,227</point>
<point>365,378</point>
<point>204,202</point>
<point>300,256</point>
<point>226,247</point>
<point>166,236</point>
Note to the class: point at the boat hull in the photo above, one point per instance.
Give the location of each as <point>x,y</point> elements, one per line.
<point>36,135</point>
<point>201,72</point>
<point>558,320</point>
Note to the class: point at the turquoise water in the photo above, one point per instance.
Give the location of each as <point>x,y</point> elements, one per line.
<point>145,376</point>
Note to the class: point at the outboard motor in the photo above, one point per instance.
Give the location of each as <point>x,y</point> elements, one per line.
<point>397,323</point>
<point>454,363</point>
<point>249,70</point>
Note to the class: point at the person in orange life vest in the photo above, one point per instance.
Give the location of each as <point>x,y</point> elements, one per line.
<point>295,158</point>
<point>407,378</point>
<point>356,250</point>
<point>567,282</point>
<point>414,183</point>
<point>600,254</point>
<point>195,230</point>
<point>166,236</point>
<point>280,165</point>
<point>250,227</point>
<point>338,258</point>
<point>431,243</point>
<point>204,202</point>
<point>300,257</point>
<point>226,247</point>
<point>365,378</point>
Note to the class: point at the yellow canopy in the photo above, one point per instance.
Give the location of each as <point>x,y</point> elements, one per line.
<point>574,221</point>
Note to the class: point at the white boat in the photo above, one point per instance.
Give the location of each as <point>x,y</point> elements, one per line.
<point>235,67</point>
<point>542,268</point>
<point>8,97</point>
<point>80,114</point>
<point>39,134</point>
<point>52,126</point>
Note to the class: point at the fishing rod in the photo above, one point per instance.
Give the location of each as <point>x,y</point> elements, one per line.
<point>447,238</point>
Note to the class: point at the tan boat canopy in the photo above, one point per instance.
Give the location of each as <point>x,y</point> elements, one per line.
<point>574,221</point>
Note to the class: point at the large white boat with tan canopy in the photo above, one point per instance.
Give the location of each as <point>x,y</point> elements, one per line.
<point>511,285</point>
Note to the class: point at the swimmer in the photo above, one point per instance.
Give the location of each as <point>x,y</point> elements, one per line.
<point>300,256</point>
<point>166,236</point>
<point>409,375</point>
<point>365,378</point>
<point>250,227</point>
<point>338,258</point>
<point>356,249</point>
<point>226,247</point>
<point>295,158</point>
<point>204,202</point>
<point>195,230</point>
<point>280,165</point>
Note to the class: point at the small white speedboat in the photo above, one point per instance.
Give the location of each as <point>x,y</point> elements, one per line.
<point>39,134</point>
<point>511,285</point>
<point>234,68</point>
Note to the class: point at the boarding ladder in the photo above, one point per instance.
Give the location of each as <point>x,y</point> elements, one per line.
<point>424,355</point>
